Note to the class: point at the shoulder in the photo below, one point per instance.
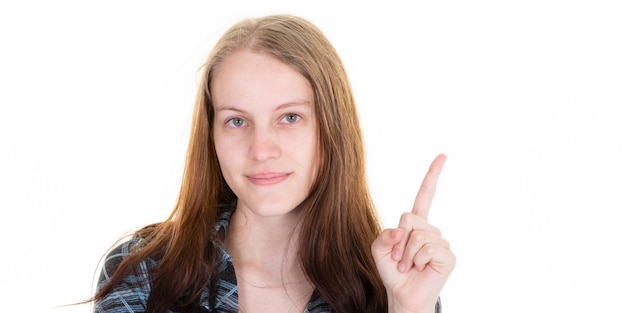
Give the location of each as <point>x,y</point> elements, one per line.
<point>131,294</point>
<point>118,253</point>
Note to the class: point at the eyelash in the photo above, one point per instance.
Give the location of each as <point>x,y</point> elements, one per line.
<point>298,116</point>
<point>230,122</point>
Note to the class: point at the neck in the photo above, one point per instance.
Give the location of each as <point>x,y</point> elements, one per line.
<point>264,250</point>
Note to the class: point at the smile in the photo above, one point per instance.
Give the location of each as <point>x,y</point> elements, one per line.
<point>267,179</point>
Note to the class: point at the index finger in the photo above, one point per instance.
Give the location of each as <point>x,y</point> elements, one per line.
<point>425,195</point>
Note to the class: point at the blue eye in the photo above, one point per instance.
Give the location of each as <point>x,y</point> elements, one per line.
<point>236,122</point>
<point>291,118</point>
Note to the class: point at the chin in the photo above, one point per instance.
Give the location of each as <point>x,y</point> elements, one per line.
<point>272,209</point>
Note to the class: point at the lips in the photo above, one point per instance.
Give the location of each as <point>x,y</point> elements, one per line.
<point>267,178</point>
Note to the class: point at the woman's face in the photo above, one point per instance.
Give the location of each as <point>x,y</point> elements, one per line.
<point>265,132</point>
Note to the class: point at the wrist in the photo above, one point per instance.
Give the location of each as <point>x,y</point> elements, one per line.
<point>393,307</point>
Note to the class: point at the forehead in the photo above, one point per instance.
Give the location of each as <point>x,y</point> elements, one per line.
<point>247,77</point>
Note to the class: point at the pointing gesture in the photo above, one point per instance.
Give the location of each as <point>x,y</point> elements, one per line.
<point>425,195</point>
<point>413,260</point>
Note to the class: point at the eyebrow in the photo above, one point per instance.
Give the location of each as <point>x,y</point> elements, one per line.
<point>285,105</point>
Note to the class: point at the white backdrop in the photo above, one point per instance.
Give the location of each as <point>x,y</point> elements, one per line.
<point>526,98</point>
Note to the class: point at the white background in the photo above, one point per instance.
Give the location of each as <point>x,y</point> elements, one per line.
<point>525,97</point>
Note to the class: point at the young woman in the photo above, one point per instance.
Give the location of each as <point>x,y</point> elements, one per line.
<point>274,213</point>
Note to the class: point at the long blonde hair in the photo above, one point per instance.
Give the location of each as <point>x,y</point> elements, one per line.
<point>339,221</point>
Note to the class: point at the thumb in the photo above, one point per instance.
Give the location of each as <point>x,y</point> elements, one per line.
<point>383,245</point>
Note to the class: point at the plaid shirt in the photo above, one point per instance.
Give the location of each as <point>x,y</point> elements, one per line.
<point>131,295</point>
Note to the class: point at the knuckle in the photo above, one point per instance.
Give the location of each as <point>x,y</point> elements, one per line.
<point>418,237</point>
<point>406,216</point>
<point>430,249</point>
<point>437,231</point>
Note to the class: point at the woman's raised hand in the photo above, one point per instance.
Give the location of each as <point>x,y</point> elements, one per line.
<point>413,260</point>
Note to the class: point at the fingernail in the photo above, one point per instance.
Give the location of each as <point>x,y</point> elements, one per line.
<point>401,267</point>
<point>396,255</point>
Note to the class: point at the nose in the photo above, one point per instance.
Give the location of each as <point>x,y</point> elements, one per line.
<point>264,145</point>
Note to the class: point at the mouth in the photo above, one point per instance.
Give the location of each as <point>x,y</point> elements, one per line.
<point>267,178</point>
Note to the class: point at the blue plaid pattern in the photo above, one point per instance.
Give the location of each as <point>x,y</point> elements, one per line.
<point>131,295</point>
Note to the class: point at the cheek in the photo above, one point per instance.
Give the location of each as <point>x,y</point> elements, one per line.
<point>226,156</point>
<point>311,157</point>
<point>219,150</point>
<point>228,166</point>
